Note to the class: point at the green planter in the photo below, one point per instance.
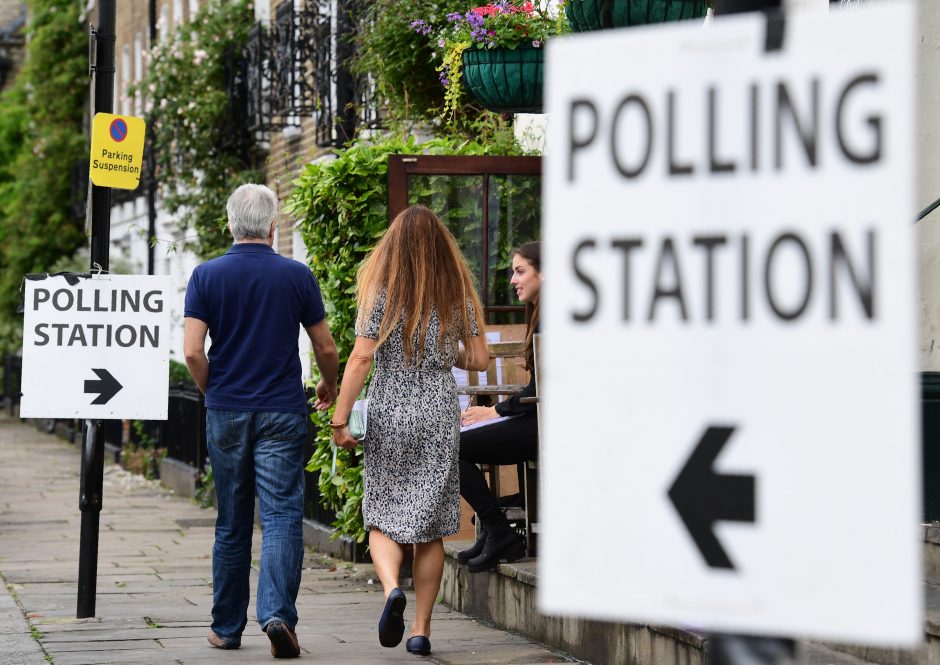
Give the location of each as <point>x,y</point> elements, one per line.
<point>505,80</point>
<point>584,15</point>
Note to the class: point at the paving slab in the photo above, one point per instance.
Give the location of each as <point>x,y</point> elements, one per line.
<point>19,646</point>
<point>154,591</point>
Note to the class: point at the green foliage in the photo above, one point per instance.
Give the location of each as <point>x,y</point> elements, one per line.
<point>139,455</point>
<point>180,376</point>
<point>205,488</point>
<point>400,64</point>
<point>202,155</point>
<point>41,137</point>
<point>398,61</point>
<point>341,206</point>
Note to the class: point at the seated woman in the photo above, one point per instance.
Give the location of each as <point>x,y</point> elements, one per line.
<point>506,442</point>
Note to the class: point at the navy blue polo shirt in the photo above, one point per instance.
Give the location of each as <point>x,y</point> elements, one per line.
<point>254,302</point>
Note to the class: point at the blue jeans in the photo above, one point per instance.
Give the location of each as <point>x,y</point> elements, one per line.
<point>263,452</point>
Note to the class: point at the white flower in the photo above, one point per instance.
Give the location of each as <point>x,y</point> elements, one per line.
<point>199,56</point>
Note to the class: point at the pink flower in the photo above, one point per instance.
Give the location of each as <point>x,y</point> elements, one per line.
<point>536,43</point>
<point>486,10</point>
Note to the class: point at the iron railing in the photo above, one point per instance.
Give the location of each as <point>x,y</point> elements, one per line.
<point>184,432</point>
<point>12,372</point>
<point>298,68</point>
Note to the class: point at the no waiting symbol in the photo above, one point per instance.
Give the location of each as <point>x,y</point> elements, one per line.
<point>118,130</point>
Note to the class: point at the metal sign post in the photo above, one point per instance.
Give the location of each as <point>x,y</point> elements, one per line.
<point>93,440</point>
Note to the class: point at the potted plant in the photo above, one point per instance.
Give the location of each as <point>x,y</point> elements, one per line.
<point>584,15</point>
<point>496,50</point>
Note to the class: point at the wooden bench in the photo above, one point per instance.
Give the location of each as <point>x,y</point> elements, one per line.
<point>509,356</point>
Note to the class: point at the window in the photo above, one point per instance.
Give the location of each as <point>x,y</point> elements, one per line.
<point>490,204</point>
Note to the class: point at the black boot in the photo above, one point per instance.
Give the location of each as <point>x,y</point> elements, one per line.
<point>465,555</point>
<point>502,544</point>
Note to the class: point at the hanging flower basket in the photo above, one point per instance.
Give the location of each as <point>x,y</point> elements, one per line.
<point>584,15</point>
<point>505,80</point>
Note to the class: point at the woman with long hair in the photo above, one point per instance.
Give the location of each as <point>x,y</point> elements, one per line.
<point>419,315</point>
<point>504,442</point>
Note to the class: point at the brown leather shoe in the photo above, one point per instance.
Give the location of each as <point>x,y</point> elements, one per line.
<point>222,642</point>
<point>284,642</point>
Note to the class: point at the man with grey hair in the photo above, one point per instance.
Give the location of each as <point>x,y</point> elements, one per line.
<point>253,302</point>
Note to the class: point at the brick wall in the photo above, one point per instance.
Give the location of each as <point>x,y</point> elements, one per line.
<point>131,40</point>
<point>290,150</point>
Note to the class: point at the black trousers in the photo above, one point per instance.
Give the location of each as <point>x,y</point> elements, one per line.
<point>507,442</point>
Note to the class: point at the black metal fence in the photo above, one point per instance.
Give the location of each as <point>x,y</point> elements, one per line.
<point>12,371</point>
<point>313,510</point>
<point>184,432</point>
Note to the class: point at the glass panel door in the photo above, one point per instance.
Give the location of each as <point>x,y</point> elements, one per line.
<point>490,204</point>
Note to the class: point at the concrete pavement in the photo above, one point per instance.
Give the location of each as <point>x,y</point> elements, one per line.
<point>154,594</point>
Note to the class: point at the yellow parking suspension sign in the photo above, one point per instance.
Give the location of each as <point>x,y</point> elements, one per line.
<point>117,150</point>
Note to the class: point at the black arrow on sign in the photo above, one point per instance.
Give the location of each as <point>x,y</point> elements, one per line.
<point>105,384</point>
<point>703,497</point>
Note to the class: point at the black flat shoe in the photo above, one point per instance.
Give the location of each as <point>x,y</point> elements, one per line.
<point>418,645</point>
<point>392,623</point>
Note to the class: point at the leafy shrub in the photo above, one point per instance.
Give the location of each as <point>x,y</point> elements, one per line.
<point>41,137</point>
<point>140,455</point>
<point>205,488</point>
<point>180,376</point>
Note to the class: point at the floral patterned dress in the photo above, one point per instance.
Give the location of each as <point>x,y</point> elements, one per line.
<point>411,480</point>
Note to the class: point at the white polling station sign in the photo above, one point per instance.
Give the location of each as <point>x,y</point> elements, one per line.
<point>96,347</point>
<point>729,244</point>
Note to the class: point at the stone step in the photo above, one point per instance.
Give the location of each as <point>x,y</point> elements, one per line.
<point>932,552</point>
<point>507,598</point>
<point>928,652</point>
<point>809,653</point>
